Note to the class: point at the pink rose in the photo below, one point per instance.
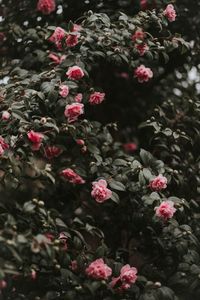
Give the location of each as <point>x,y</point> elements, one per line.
<point>130,147</point>
<point>143,74</point>
<point>170,13</point>
<point>72,177</point>
<point>75,73</point>
<point>158,183</point>
<point>71,40</point>
<point>166,210</point>
<point>3,146</point>
<point>5,115</point>
<point>78,97</point>
<point>73,111</point>
<point>96,98</point>
<point>56,59</point>
<point>46,6</point>
<point>64,91</point>
<point>80,142</point>
<point>138,35</point>
<point>36,139</point>
<point>142,48</point>
<point>98,270</point>
<point>128,274</point>
<point>52,151</point>
<point>100,191</point>
<point>57,37</point>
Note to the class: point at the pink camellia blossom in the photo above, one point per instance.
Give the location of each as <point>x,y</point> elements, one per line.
<point>52,151</point>
<point>77,28</point>
<point>57,59</point>
<point>57,37</point>
<point>130,147</point>
<point>98,270</point>
<point>80,142</point>
<point>96,98</point>
<point>3,146</point>
<point>64,91</point>
<point>3,284</point>
<point>74,265</point>
<point>36,139</point>
<point>138,35</point>
<point>143,74</point>
<point>158,183</point>
<point>75,73</point>
<point>128,274</point>
<point>72,176</point>
<point>71,40</point>
<point>46,6</point>
<point>73,111</point>
<point>142,48</point>
<point>100,191</point>
<point>5,115</point>
<point>78,97</point>
<point>170,13</point>
<point>166,210</point>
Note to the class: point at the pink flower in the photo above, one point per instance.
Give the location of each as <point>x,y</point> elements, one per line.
<point>100,191</point>
<point>128,274</point>
<point>75,73</point>
<point>56,59</point>
<point>98,270</point>
<point>46,6</point>
<point>72,177</point>
<point>77,28</point>
<point>142,48</point>
<point>143,74</point>
<point>158,183</point>
<point>57,37</point>
<point>166,210</point>
<point>138,35</point>
<point>71,40</point>
<point>73,111</point>
<point>5,115</point>
<point>64,91</point>
<point>52,151</point>
<point>170,13</point>
<point>3,146</point>
<point>130,147</point>
<point>36,139</point>
<point>78,97</point>
<point>3,284</point>
<point>80,142</point>
<point>96,98</point>
<point>74,265</point>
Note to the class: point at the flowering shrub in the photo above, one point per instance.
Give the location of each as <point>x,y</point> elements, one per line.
<point>85,211</point>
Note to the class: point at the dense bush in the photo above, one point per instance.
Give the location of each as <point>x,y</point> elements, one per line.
<point>99,150</point>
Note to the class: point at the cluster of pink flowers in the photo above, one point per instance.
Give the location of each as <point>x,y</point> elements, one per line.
<point>46,6</point>
<point>3,146</point>
<point>75,73</point>
<point>57,59</point>
<point>57,37</point>
<point>98,270</point>
<point>52,151</point>
<point>143,74</point>
<point>158,183</point>
<point>100,192</point>
<point>96,98</point>
<point>128,276</point>
<point>36,139</point>
<point>72,176</point>
<point>170,13</point>
<point>73,111</point>
<point>64,90</point>
<point>130,147</point>
<point>5,115</point>
<point>165,210</point>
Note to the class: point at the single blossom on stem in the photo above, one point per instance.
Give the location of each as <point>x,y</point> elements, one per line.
<point>46,6</point>
<point>64,90</point>
<point>96,98</point>
<point>72,176</point>
<point>73,111</point>
<point>165,210</point>
<point>57,37</point>
<point>36,139</point>
<point>170,13</point>
<point>98,270</point>
<point>158,183</point>
<point>100,192</point>
<point>75,73</point>
<point>143,74</point>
